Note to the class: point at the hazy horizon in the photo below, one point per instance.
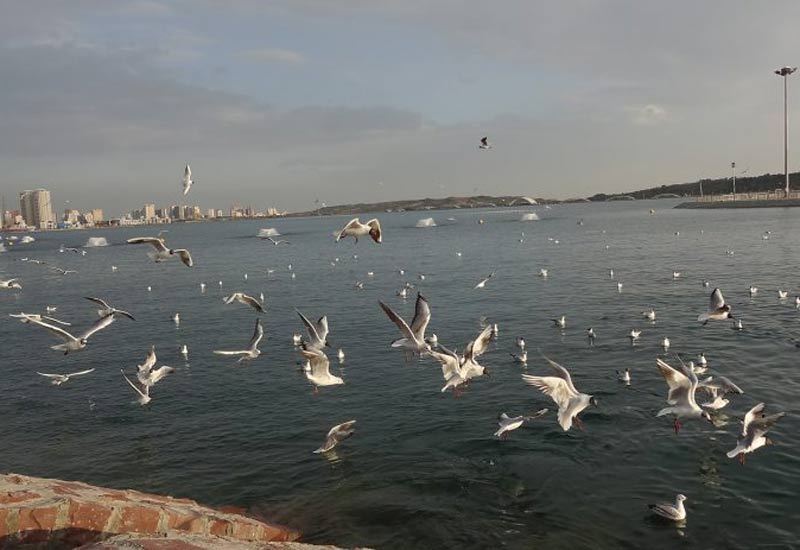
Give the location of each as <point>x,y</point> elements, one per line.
<point>284,103</point>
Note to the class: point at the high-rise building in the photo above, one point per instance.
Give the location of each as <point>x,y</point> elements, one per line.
<point>37,209</point>
<point>97,215</point>
<point>149,212</point>
<point>72,217</point>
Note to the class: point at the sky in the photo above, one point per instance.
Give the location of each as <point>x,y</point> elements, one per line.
<point>287,102</point>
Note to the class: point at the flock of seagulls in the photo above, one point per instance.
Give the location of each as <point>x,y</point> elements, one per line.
<point>458,370</point>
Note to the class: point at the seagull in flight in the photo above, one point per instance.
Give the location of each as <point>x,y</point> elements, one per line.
<point>252,351</point>
<point>11,284</point>
<point>144,394</point>
<point>278,242</point>
<point>681,397</point>
<point>147,375</point>
<point>356,229</point>
<point>187,180</point>
<point>413,340</point>
<point>106,309</point>
<point>58,379</point>
<point>71,343</point>
<point>64,272</point>
<point>336,435</point>
<point>245,299</point>
<point>319,373</point>
<point>162,252</point>
<point>483,282</point>
<point>754,429</point>
<point>508,424</point>
<point>562,391</point>
<point>22,315</point>
<point>317,332</point>
<point>718,310</point>
<point>485,143</point>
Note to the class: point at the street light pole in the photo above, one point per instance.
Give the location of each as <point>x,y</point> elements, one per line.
<point>733,177</point>
<point>784,72</point>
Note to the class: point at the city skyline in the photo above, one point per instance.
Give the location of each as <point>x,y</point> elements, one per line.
<point>289,103</point>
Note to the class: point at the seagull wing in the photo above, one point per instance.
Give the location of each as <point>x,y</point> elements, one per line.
<point>80,373</point>
<point>350,225</point>
<point>752,414</point>
<point>312,330</point>
<point>155,242</point>
<point>53,376</point>
<point>258,334</point>
<point>320,365</point>
<point>451,363</point>
<point>554,386</point>
<point>253,303</point>
<point>100,302</point>
<point>563,373</point>
<point>666,510</point>
<point>59,332</point>
<point>322,327</point>
<point>398,321</point>
<point>679,384</point>
<point>375,230</point>
<point>185,256</point>
<point>716,301</point>
<point>102,323</point>
<point>336,435</point>
<point>477,347</point>
<point>242,352</point>
<point>422,316</point>
<point>131,384</point>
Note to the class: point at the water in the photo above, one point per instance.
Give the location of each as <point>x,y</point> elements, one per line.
<point>423,470</point>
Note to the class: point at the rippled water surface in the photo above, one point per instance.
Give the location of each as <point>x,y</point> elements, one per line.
<point>423,470</point>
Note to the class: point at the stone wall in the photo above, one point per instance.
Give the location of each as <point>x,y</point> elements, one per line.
<point>51,514</point>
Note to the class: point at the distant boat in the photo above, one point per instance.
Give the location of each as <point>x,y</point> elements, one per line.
<point>96,241</point>
<point>426,222</point>
<point>529,217</point>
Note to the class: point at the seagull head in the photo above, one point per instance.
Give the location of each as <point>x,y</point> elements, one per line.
<point>680,498</point>
<point>84,341</point>
<point>707,417</point>
<point>593,401</point>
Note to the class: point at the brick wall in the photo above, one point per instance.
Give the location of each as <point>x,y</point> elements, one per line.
<point>53,514</point>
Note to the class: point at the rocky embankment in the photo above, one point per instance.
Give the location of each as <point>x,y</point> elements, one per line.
<point>52,514</point>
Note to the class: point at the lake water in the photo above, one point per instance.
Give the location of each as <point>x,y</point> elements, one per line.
<point>423,470</point>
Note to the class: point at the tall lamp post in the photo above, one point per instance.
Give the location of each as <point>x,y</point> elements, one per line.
<point>733,177</point>
<point>784,72</point>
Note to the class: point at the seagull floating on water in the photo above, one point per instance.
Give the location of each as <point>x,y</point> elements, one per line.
<point>561,322</point>
<point>624,376</point>
<point>672,512</point>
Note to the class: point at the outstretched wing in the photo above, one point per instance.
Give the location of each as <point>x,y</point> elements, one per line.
<point>477,347</point>
<point>59,332</point>
<point>422,316</point>
<point>185,256</point>
<point>679,384</point>
<point>351,224</point>
<point>155,242</point>
<point>398,321</point>
<point>716,301</point>
<point>310,327</point>
<point>102,323</point>
<point>258,334</point>
<point>555,387</point>
<point>375,230</point>
<point>99,302</point>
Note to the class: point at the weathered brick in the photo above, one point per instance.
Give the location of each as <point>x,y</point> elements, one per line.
<point>12,497</point>
<point>218,527</point>
<point>43,518</point>
<point>191,522</point>
<point>139,519</point>
<point>247,530</point>
<point>4,513</point>
<point>89,516</point>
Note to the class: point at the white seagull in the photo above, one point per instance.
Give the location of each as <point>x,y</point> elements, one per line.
<point>144,394</point>
<point>162,252</point>
<point>650,315</point>
<point>561,322</point>
<point>624,376</point>
<point>560,388</point>
<point>106,309</point>
<point>245,299</point>
<point>754,429</point>
<point>717,309</point>
<point>187,180</point>
<point>356,229</point>
<point>336,435</point>
<point>317,332</point>
<point>482,283</point>
<point>71,343</point>
<point>22,316</point>
<point>508,424</point>
<point>681,398</point>
<point>413,340</point>
<point>252,351</point>
<point>672,512</point>
<point>58,379</point>
<point>320,371</point>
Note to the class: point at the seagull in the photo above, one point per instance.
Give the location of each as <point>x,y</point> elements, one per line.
<point>701,359</point>
<point>649,315</point>
<point>458,370</point>
<point>619,287</point>
<point>340,355</point>
<point>71,343</point>
<point>336,435</point>
<point>162,252</point>
<point>22,315</point>
<point>297,339</point>
<point>610,273</point>
<point>495,331</point>
<point>682,387</point>
<point>245,299</point>
<point>63,272</point>
<point>176,319</point>
<point>52,309</point>
<point>797,302</point>
<point>718,403</point>
<point>521,358</point>
<point>106,309</point>
<point>717,309</point>
<point>508,424</point>
<point>317,332</point>
<point>252,351</point>
<point>753,290</point>
<point>202,288</point>
<point>561,322</point>
<point>754,429</point>
<point>676,275</point>
<point>634,334</point>
<point>485,143</point>
<point>185,351</point>
<point>278,242</point>
<point>413,340</point>
<point>719,386</point>
<point>147,375</point>
<point>245,276</point>
<point>590,333</point>
<point>58,379</point>
<point>561,389</point>
<point>187,180</point>
<point>543,273</point>
<point>320,373</point>
<point>624,376</point>
<point>144,395</point>
<point>521,343</point>
<point>672,512</point>
<point>483,282</point>
<point>782,294</point>
<point>705,283</point>
<point>356,229</point>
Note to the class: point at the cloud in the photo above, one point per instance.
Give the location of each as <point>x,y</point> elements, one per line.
<point>648,115</point>
<point>273,55</point>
